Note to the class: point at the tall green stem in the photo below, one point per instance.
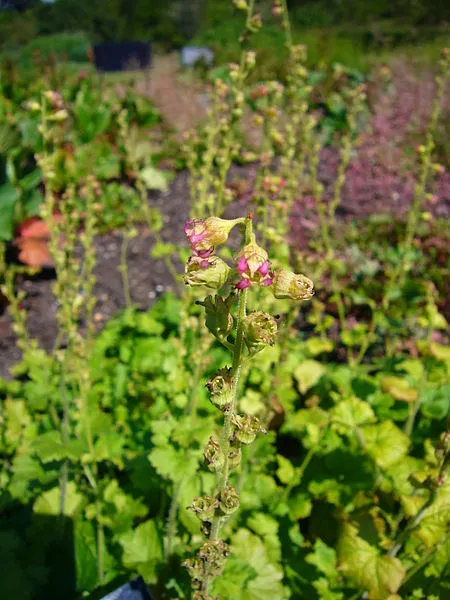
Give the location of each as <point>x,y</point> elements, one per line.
<point>227,429</point>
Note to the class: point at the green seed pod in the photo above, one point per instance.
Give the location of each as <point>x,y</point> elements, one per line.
<point>246,428</point>
<point>289,285</point>
<point>229,501</point>
<point>260,330</point>
<point>195,569</point>
<point>214,457</point>
<point>234,458</point>
<point>204,507</point>
<point>221,389</point>
<point>211,272</point>
<point>214,555</point>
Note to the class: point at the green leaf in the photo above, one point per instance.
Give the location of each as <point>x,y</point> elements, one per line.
<point>324,559</point>
<point>48,503</point>
<point>161,250</point>
<point>286,470</point>
<point>300,505</point>
<point>31,180</point>
<point>169,462</point>
<point>308,374</point>
<point>353,413</point>
<point>435,403</point>
<point>267,527</point>
<point>109,446</point>
<point>154,179</point>
<point>85,556</point>
<point>317,345</point>
<point>385,443</point>
<point>48,447</point>
<point>26,472</point>
<point>142,550</point>
<point>362,564</point>
<point>249,573</point>
<point>8,199</point>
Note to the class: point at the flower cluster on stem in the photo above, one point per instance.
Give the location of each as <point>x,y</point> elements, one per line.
<point>250,332</point>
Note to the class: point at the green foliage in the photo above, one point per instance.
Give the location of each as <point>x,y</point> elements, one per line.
<point>88,143</point>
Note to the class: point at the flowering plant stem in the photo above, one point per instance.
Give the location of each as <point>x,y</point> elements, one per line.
<point>227,430</point>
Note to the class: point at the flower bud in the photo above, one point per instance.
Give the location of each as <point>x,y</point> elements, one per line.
<point>218,318</point>
<point>59,115</point>
<point>214,457</point>
<point>289,285</point>
<point>246,428</point>
<point>204,507</point>
<point>211,272</point>
<point>250,55</point>
<point>54,98</point>
<point>240,4</point>
<point>234,458</point>
<point>260,330</point>
<point>253,266</point>
<point>254,24</point>
<point>221,388</point>
<point>229,501</point>
<point>33,106</point>
<point>205,234</point>
<point>259,91</point>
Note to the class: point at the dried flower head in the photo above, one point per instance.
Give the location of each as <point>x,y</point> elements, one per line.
<point>204,507</point>
<point>221,388</point>
<point>214,457</point>
<point>287,284</point>
<point>210,272</point>
<point>246,428</point>
<point>229,501</point>
<point>260,330</point>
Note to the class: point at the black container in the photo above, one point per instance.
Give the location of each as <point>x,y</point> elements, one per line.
<point>122,56</point>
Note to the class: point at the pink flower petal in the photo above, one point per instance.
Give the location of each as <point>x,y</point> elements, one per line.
<point>242,265</point>
<point>264,268</point>
<point>202,253</point>
<point>242,284</point>
<point>267,281</point>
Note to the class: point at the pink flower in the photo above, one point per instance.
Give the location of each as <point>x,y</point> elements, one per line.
<point>205,234</point>
<point>253,267</point>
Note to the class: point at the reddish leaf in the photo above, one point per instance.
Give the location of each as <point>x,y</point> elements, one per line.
<point>32,240</point>
<point>34,252</point>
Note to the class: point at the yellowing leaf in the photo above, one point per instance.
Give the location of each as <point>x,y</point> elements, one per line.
<point>435,523</point>
<point>381,576</point>
<point>49,502</point>
<point>440,351</point>
<point>385,443</point>
<point>398,388</point>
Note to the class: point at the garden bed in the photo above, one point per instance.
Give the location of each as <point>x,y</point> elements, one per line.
<point>149,278</point>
